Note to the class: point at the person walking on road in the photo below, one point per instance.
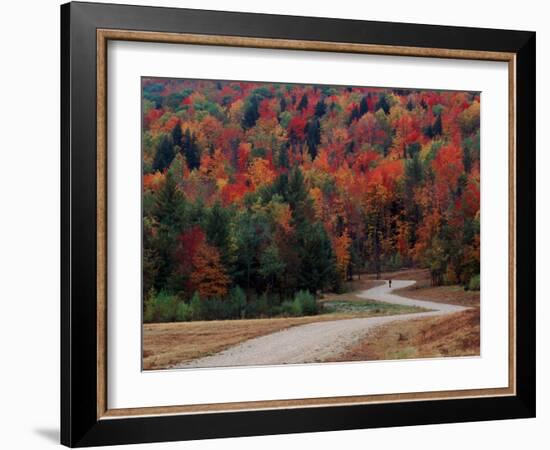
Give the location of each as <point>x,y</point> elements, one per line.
<point>389,282</point>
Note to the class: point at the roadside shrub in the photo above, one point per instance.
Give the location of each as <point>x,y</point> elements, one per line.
<point>165,306</point>
<point>262,305</point>
<point>307,303</point>
<point>149,307</point>
<point>304,304</point>
<point>474,283</point>
<point>215,309</point>
<point>276,310</point>
<point>237,302</point>
<point>160,307</point>
<point>337,285</point>
<point>251,310</point>
<point>195,307</point>
<point>291,308</point>
<point>183,312</point>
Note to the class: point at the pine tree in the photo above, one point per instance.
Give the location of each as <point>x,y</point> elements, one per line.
<point>190,150</point>
<point>382,104</point>
<point>437,128</point>
<point>169,212</point>
<point>428,131</point>
<point>363,106</point>
<point>303,103</point>
<point>216,227</point>
<point>320,108</point>
<point>165,154</point>
<point>169,204</point>
<point>282,104</point>
<point>317,265</point>
<point>177,134</point>
<point>412,149</point>
<point>297,196</point>
<point>251,113</point>
<point>354,115</point>
<point>313,136</point>
<point>283,162</point>
<point>467,157</point>
<point>271,266</point>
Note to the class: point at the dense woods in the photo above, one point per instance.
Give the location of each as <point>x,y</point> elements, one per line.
<point>258,196</point>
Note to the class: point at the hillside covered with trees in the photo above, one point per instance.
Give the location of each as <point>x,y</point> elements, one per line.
<point>259,194</point>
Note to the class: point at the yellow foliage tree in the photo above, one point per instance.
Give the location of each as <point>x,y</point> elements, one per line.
<point>260,172</point>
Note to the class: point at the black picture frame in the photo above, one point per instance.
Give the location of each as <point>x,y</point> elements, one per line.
<point>80,425</point>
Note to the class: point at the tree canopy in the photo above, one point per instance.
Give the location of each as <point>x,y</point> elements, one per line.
<point>279,188</point>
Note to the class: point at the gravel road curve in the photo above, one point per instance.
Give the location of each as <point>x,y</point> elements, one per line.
<point>315,342</point>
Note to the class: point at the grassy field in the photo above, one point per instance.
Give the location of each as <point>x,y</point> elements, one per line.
<point>165,344</point>
<point>452,335</point>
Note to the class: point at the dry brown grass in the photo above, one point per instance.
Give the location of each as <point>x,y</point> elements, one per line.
<point>452,335</point>
<point>165,344</point>
<point>455,294</point>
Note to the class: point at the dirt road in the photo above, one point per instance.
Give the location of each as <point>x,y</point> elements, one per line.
<point>315,342</point>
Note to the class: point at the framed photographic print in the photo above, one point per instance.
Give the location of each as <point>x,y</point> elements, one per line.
<point>276,224</point>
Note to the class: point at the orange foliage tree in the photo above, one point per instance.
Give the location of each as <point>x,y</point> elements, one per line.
<point>209,277</point>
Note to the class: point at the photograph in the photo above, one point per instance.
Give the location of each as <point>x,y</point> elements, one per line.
<point>290,223</point>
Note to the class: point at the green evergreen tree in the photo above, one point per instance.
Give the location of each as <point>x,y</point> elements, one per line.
<point>177,134</point>
<point>354,115</point>
<point>382,104</point>
<point>303,103</point>
<point>298,197</point>
<point>169,212</point>
<point>414,177</point>
<point>251,112</point>
<point>412,149</point>
<point>437,128</point>
<point>363,106</point>
<point>249,231</point>
<point>467,156</point>
<point>216,226</point>
<point>282,105</point>
<point>313,136</point>
<point>320,108</point>
<point>283,161</point>
<point>271,266</point>
<point>164,155</point>
<point>317,259</point>
<point>170,204</point>
<point>190,150</point>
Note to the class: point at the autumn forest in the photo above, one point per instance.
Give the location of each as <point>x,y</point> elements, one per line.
<point>258,197</point>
